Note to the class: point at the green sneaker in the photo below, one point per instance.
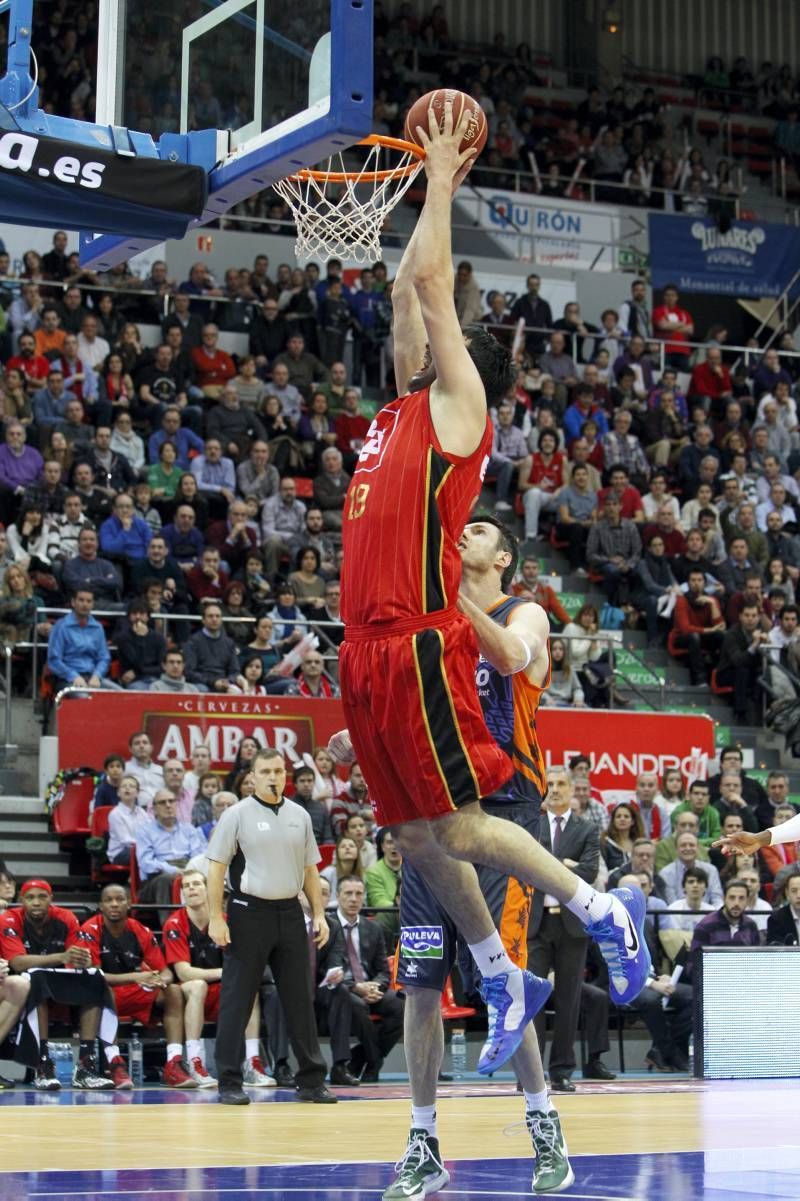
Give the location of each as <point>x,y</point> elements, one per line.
<point>552,1173</point>
<point>420,1172</point>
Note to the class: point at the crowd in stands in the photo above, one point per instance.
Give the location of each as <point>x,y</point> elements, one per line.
<point>661,840</point>
<point>188,482</point>
<point>626,144</point>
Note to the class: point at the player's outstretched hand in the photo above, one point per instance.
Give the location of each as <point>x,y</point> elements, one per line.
<point>443,156</point>
<point>340,748</point>
<point>743,841</point>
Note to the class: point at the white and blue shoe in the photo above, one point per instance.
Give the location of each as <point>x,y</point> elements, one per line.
<point>512,1000</point>
<point>620,937</point>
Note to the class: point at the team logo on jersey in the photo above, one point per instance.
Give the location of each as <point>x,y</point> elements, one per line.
<point>173,933</point>
<point>422,942</point>
<point>378,437</point>
<point>411,971</point>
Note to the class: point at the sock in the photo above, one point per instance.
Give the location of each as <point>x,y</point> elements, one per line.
<point>539,1101</point>
<point>85,1048</point>
<point>251,1048</point>
<point>423,1117</point>
<point>194,1049</point>
<point>589,905</point>
<point>491,957</point>
<point>44,1052</point>
<point>174,1050</point>
<point>111,1051</point>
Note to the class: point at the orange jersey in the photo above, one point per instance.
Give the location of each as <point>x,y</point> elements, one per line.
<point>510,705</point>
<point>406,508</point>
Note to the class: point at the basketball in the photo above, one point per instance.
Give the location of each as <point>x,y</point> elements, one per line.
<point>477,130</point>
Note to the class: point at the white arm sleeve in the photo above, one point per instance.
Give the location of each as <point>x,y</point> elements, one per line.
<point>788,832</point>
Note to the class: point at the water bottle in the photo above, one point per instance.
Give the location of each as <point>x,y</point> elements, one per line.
<point>61,1056</point>
<point>458,1052</point>
<point>135,1061</point>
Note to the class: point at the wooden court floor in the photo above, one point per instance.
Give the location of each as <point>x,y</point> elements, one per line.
<point>629,1141</point>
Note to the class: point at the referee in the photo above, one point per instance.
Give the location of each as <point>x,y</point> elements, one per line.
<point>269,844</point>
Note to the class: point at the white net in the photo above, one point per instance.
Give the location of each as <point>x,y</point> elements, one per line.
<point>340,212</point>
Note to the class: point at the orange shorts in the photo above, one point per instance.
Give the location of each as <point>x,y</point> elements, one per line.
<point>415,720</point>
<point>134,1003</point>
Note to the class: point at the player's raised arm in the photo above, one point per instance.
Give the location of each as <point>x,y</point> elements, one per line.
<point>410,338</point>
<point>514,647</point>
<point>458,397</point>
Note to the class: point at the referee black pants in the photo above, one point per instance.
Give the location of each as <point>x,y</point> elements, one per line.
<point>267,933</point>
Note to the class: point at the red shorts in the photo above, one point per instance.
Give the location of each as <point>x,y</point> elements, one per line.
<point>415,720</point>
<point>211,1007</point>
<point>134,1003</point>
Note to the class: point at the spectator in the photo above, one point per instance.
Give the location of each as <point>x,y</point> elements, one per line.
<point>185,542</point>
<point>783,925</point>
<point>671,876</point>
<point>257,476</point>
<point>211,658</point>
<point>768,374</point>
<point>312,681</point>
<point>172,677</point>
<point>303,795</point>
<point>636,359</point>
<point>564,688</point>
<point>106,791</point>
<point>733,572</point>
<point>634,315</point>
<point>346,862</point>
<point>699,625</point>
<point>282,521</point>
<point>729,925</point>
<point>235,537</point>
<point>382,881</point>
<point>77,654</point>
<point>184,440</point>
<point>92,349</point>
<point>164,846</point>
<point>583,409</point>
<point>624,829</point>
<point>577,507</point>
<point>140,649</point>
<point>692,904</point>
<point>558,364</point>
<point>149,775</point>
<point>33,367</point>
<point>675,327</point>
<point>124,535</point>
<point>330,487</point>
<point>540,480</point>
<point>213,366</point>
<point>529,585</point>
<point>777,795</point>
<point>215,475</point>
<point>20,468</point>
<point>614,549</point>
<point>509,451</point>
<point>621,447</point>
<point>629,498</point>
<point>303,369</point>
<point>200,757</point>
<point>353,801</point>
<point>537,315</point>
<point>729,801</point>
<point>731,761</point>
<point>740,663</point>
<point>124,821</point>
<point>708,818</point>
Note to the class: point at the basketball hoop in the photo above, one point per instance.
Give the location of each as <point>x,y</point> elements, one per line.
<point>339,213</point>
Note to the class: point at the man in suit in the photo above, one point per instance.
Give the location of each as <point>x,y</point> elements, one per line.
<point>557,938</point>
<point>332,997</point>
<point>783,926</point>
<point>366,975</point>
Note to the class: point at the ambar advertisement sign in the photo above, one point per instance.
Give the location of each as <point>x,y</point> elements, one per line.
<point>619,745</point>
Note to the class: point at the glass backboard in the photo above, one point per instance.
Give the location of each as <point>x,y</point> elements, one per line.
<point>284,83</point>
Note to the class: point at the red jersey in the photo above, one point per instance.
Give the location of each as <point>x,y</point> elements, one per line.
<point>135,947</point>
<point>19,936</point>
<point>406,508</point>
<point>184,942</point>
<point>675,342</point>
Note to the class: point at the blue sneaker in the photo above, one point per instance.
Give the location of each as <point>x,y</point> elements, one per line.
<point>512,999</point>
<point>620,937</point>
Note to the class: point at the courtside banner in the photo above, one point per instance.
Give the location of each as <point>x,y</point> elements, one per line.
<point>750,259</point>
<point>115,193</point>
<point>620,745</point>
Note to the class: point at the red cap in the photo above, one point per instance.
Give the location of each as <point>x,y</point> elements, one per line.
<point>29,884</point>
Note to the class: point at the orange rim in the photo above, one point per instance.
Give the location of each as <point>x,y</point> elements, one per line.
<point>374,139</point>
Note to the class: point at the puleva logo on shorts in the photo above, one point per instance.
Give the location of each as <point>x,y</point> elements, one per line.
<point>422,942</point>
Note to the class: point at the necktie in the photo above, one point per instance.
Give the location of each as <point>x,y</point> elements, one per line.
<point>352,955</point>
<point>557,836</point>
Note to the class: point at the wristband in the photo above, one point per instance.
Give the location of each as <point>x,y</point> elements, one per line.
<point>527,655</point>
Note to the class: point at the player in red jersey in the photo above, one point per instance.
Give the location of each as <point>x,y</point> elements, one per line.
<point>197,962</point>
<point>407,666</point>
<point>44,937</point>
<point>140,980</point>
